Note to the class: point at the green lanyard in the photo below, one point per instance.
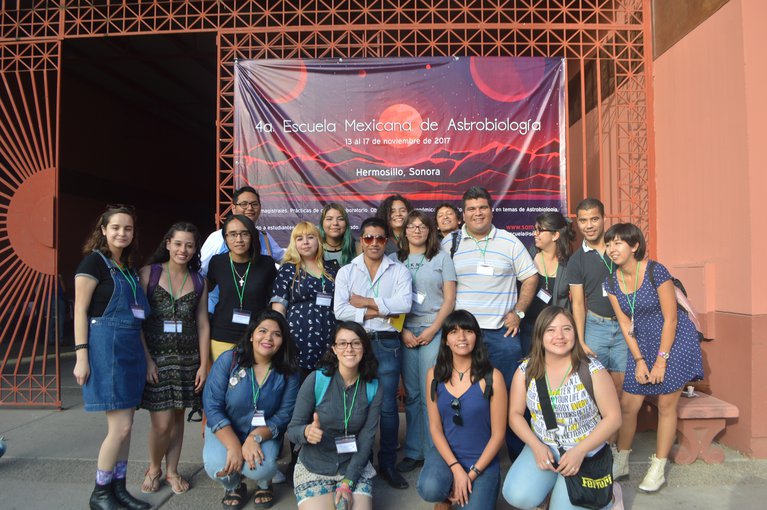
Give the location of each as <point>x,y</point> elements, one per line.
<point>129,277</point>
<point>480,250</point>
<point>554,394</point>
<point>634,294</point>
<point>321,278</point>
<point>417,267</point>
<point>546,271</point>
<point>170,286</point>
<point>256,392</point>
<point>348,415</point>
<point>239,289</point>
<point>376,287</point>
<point>610,267</point>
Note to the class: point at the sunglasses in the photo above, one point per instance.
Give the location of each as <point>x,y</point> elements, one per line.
<point>455,405</point>
<point>371,239</point>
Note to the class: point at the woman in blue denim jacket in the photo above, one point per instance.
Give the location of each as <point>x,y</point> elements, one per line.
<point>248,400</point>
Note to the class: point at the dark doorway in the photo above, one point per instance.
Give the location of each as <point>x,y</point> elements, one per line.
<point>138,126</point>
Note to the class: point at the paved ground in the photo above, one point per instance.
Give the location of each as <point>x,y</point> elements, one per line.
<point>51,461</point>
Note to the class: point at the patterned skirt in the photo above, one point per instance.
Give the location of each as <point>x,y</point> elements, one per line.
<point>310,485</point>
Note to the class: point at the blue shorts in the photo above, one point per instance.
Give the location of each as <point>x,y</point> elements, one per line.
<point>604,337</point>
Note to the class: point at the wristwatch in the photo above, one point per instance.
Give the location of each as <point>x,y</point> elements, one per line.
<point>664,355</point>
<point>258,438</point>
<point>520,314</point>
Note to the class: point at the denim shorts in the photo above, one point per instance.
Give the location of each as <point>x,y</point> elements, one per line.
<point>604,337</point>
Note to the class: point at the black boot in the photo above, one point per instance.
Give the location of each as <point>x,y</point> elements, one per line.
<point>124,497</point>
<point>103,498</point>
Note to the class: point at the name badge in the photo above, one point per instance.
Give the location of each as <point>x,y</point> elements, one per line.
<point>172,326</point>
<point>138,312</point>
<point>485,269</point>
<point>346,444</point>
<point>240,316</point>
<point>544,296</point>
<point>323,299</point>
<point>258,419</point>
<point>419,297</point>
<point>604,289</point>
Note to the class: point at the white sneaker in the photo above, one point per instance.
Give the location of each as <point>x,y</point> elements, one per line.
<point>617,497</point>
<point>655,477</point>
<point>279,477</point>
<point>621,464</point>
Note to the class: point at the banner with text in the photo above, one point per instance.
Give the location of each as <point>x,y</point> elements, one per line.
<point>354,131</point>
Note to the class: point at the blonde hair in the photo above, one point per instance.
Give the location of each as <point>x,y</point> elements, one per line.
<point>293,257</point>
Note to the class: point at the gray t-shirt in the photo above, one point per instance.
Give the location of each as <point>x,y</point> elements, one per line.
<point>590,269</point>
<point>428,279</point>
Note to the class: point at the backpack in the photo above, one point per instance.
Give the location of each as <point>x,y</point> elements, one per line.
<point>583,373</point>
<point>455,242</point>
<point>154,279</point>
<point>682,302</point>
<point>486,394</point>
<point>322,381</point>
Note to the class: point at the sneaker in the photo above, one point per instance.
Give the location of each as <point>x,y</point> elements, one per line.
<point>655,477</point>
<point>407,464</point>
<point>621,464</point>
<point>279,477</point>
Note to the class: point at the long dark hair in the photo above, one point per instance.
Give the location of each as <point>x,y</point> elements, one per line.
<point>384,210</point>
<point>255,239</point>
<point>161,254</point>
<point>348,251</point>
<point>432,241</point>
<point>97,241</point>
<point>536,367</point>
<point>480,363</point>
<point>368,364</point>
<point>556,222</point>
<point>284,360</point>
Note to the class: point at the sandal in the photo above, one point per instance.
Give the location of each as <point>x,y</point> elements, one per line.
<point>266,497</point>
<point>177,484</point>
<point>151,482</point>
<point>233,499</point>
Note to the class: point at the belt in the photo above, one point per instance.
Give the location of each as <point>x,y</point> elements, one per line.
<point>382,335</point>
<point>603,317</point>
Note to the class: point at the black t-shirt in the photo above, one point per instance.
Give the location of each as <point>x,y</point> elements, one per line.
<point>258,290</point>
<point>94,267</point>
<point>590,269</point>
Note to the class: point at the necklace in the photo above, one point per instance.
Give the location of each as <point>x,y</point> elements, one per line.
<point>241,277</point>
<point>333,247</point>
<point>461,374</point>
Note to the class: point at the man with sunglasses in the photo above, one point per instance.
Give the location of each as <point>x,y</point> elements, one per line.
<point>372,290</point>
<point>488,262</point>
<point>246,202</point>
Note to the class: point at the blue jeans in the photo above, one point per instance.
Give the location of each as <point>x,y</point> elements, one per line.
<point>416,363</point>
<point>504,354</point>
<point>527,485</point>
<point>436,481</point>
<point>214,459</point>
<point>388,352</point>
<point>605,338</point>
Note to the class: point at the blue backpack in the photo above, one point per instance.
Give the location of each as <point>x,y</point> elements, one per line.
<point>322,381</point>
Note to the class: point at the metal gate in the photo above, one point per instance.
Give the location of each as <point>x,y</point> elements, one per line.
<point>609,146</point>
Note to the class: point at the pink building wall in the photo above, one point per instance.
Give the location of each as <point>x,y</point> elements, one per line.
<point>710,135</point>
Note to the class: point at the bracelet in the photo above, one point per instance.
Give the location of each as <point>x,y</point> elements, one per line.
<point>80,347</point>
<point>348,482</point>
<point>341,488</point>
<point>453,464</point>
<point>474,468</point>
<point>640,358</point>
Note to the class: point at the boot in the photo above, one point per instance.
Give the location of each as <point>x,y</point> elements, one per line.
<point>621,464</point>
<point>124,497</point>
<point>103,498</point>
<point>655,477</point>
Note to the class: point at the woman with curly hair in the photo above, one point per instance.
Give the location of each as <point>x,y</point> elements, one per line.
<point>393,210</point>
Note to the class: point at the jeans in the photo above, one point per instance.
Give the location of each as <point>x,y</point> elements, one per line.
<point>504,354</point>
<point>436,480</point>
<point>388,352</point>
<point>214,459</point>
<point>527,485</point>
<point>416,363</point>
<point>605,338</point>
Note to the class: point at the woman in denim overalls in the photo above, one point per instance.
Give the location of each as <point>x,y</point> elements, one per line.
<point>111,354</point>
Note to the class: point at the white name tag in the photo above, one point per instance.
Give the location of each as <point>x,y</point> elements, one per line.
<point>258,419</point>
<point>323,299</point>
<point>346,444</point>
<point>172,326</point>
<point>419,297</point>
<point>485,269</point>
<point>604,289</point>
<point>138,312</point>
<point>544,296</point>
<point>240,316</point>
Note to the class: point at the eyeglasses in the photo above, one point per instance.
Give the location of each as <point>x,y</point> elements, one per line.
<point>245,205</point>
<point>538,230</point>
<point>234,235</point>
<point>417,228</point>
<point>455,405</point>
<point>356,345</point>
<point>371,239</point>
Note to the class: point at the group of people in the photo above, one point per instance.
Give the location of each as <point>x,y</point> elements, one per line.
<point>311,342</point>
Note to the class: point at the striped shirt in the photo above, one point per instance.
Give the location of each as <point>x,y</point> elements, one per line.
<point>489,296</point>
